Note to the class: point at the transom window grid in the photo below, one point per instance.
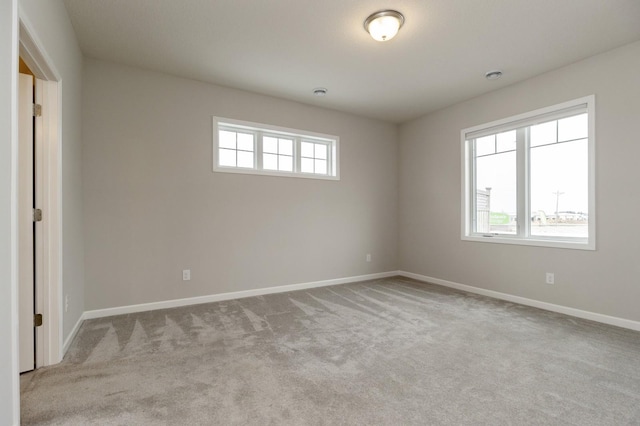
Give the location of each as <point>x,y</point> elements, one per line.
<point>236,149</point>
<point>277,153</point>
<point>273,151</point>
<point>517,145</point>
<point>314,157</point>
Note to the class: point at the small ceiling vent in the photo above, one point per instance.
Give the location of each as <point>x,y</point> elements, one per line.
<point>320,91</point>
<point>493,75</point>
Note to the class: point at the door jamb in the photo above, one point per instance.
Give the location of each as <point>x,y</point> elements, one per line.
<point>49,348</point>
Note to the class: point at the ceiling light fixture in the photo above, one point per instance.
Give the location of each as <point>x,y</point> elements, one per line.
<point>493,75</point>
<point>384,25</point>
<point>320,91</point>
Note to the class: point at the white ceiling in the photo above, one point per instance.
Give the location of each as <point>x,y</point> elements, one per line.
<point>285,48</point>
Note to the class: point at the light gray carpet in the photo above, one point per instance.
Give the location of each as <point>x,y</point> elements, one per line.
<point>388,352</point>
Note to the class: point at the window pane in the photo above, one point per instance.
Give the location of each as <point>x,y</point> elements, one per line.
<point>270,144</point>
<point>486,145</point>
<point>245,159</point>
<point>306,165</point>
<point>245,141</point>
<point>506,141</point>
<point>321,167</point>
<point>496,194</point>
<point>285,146</point>
<point>227,139</point>
<point>542,134</point>
<point>307,149</point>
<point>571,128</point>
<point>270,162</point>
<point>285,163</point>
<point>321,151</point>
<point>227,157</point>
<point>560,190</point>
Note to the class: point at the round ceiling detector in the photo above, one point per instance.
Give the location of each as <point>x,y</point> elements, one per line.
<point>320,91</point>
<point>493,75</point>
<point>384,25</point>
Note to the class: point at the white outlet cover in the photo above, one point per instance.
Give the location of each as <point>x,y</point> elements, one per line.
<point>186,274</point>
<point>550,278</point>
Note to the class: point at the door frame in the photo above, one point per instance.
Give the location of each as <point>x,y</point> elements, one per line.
<point>48,156</point>
<point>26,225</point>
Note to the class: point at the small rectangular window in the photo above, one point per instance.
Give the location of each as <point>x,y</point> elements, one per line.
<point>314,157</point>
<point>236,149</point>
<point>244,147</point>
<point>529,179</point>
<point>277,153</point>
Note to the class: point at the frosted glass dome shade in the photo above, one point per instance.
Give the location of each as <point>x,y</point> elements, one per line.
<point>384,25</point>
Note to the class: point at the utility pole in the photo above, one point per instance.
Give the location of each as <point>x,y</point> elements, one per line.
<point>557,194</point>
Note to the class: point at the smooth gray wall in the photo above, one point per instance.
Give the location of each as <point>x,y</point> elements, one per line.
<point>605,281</point>
<point>53,28</point>
<point>9,397</point>
<point>154,207</point>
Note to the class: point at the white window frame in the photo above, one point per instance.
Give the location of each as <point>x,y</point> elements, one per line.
<point>278,136</point>
<point>259,131</point>
<point>236,149</point>
<point>523,236</point>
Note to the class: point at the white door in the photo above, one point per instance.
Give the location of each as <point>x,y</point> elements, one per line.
<point>25,224</point>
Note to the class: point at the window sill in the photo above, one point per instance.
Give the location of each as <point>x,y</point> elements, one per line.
<point>577,244</point>
<point>247,171</point>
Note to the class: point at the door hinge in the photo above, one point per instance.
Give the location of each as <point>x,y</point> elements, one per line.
<point>37,215</point>
<point>37,320</point>
<point>37,110</point>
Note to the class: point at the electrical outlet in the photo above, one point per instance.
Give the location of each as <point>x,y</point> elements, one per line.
<point>551,279</point>
<point>186,274</point>
<point>368,258</point>
<point>66,303</point>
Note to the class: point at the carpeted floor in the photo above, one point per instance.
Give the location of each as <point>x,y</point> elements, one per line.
<point>384,352</point>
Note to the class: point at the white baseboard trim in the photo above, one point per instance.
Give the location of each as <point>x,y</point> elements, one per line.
<point>100,313</point>
<point>74,331</point>
<point>606,319</point>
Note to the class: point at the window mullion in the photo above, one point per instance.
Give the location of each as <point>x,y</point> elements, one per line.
<point>522,182</point>
<point>258,151</point>
<point>472,196</point>
<point>329,160</point>
<point>297,149</point>
<point>334,160</point>
<point>235,149</point>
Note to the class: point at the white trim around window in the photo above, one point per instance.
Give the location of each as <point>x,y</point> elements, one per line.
<point>261,149</point>
<point>522,222</point>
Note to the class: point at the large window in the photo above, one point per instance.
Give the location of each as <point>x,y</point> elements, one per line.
<point>529,179</point>
<point>243,147</point>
